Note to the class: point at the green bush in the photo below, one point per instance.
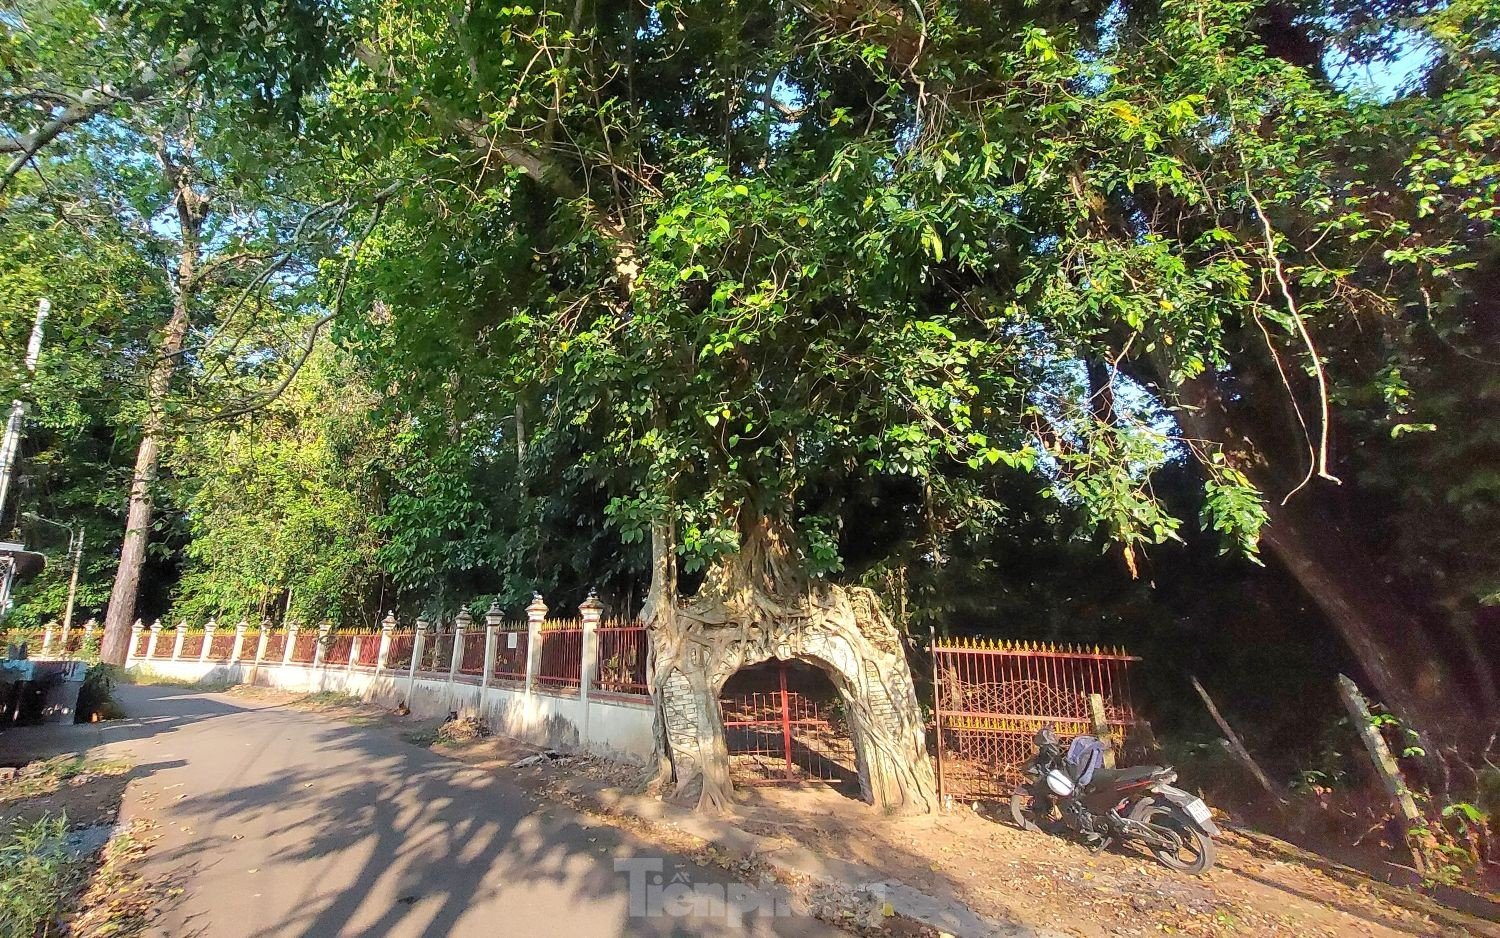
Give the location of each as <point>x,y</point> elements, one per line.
<point>97,695</point>
<point>36,876</point>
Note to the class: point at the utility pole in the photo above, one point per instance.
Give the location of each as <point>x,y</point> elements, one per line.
<point>12,443</point>
<point>73,581</point>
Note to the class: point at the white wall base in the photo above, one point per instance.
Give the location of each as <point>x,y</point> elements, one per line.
<point>612,726</point>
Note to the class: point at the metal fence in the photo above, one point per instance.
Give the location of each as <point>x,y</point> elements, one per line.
<point>192,644</point>
<point>399,656</point>
<point>471,659</point>
<point>339,647</point>
<point>437,651</point>
<point>561,661</point>
<point>222,645</point>
<point>991,697</point>
<point>782,727</point>
<point>511,643</point>
<point>305,648</point>
<point>368,653</point>
<point>621,657</point>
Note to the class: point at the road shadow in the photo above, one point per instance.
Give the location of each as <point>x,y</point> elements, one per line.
<point>412,842</point>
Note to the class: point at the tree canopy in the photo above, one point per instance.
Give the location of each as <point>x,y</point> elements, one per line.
<point>546,295</point>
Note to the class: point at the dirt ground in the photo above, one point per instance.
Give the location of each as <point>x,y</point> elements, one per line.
<point>107,896</point>
<point>1002,873</point>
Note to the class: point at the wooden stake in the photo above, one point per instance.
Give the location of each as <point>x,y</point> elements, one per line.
<point>1237,748</point>
<point>1417,835</point>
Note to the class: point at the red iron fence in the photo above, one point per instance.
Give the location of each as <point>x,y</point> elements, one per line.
<point>991,697</point>
<point>340,646</point>
<point>437,652</point>
<point>138,650</point>
<point>561,661</point>
<point>621,658</point>
<point>399,656</point>
<point>275,647</point>
<point>511,643</point>
<point>305,648</point>
<point>222,646</point>
<point>781,731</point>
<point>471,660</point>
<point>192,645</point>
<point>369,650</point>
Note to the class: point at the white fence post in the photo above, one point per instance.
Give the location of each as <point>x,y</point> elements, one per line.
<point>460,630</point>
<point>416,658</point>
<point>181,637</point>
<point>152,639</point>
<point>291,641</point>
<point>321,648</point>
<point>238,650</point>
<point>461,624</point>
<point>262,641</point>
<point>536,613</point>
<point>492,619</point>
<point>592,611</point>
<point>209,628</point>
<point>47,639</point>
<point>135,636</point>
<point>387,626</point>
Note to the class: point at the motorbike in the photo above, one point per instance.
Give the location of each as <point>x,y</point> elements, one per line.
<point>1073,791</point>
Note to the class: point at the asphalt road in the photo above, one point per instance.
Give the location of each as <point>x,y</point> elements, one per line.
<point>277,822</point>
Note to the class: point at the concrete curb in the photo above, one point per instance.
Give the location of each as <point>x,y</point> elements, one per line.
<point>945,912</point>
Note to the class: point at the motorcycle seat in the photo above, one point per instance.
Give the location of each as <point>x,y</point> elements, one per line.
<point>1109,778</point>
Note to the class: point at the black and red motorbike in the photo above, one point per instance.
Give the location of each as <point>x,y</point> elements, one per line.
<point>1102,805</point>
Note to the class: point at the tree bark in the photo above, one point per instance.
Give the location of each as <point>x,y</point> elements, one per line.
<point>760,604</point>
<point>1396,645</point>
<point>122,598</point>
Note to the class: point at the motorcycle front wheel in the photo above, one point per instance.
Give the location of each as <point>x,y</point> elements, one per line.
<point>1195,850</point>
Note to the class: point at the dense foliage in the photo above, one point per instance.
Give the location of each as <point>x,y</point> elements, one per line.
<point>1055,319</point>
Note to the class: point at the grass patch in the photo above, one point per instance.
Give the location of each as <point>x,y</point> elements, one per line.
<point>422,737</point>
<point>37,875</point>
<point>329,698</point>
<point>146,677</point>
<point>48,775</point>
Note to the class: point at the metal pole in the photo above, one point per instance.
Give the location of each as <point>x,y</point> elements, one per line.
<point>786,722</point>
<point>73,582</point>
<point>12,442</point>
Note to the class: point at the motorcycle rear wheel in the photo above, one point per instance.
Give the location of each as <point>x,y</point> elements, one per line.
<point>1195,853</point>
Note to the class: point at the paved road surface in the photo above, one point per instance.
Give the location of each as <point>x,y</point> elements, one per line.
<point>281,823</point>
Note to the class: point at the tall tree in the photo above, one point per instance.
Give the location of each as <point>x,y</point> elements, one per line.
<point>755,246</point>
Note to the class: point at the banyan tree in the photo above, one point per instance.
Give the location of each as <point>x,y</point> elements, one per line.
<point>760,604</point>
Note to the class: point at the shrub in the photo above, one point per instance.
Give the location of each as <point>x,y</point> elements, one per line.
<point>36,876</point>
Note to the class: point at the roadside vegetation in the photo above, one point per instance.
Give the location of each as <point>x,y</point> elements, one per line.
<point>63,868</point>
<point>1168,324</point>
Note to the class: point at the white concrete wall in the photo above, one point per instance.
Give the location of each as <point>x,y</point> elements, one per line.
<point>613,726</point>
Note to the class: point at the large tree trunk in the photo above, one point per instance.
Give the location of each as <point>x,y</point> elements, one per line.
<point>757,605</point>
<point>1399,647</point>
<point>122,598</point>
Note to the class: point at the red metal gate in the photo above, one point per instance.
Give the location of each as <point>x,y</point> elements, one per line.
<point>991,697</point>
<point>780,734</point>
